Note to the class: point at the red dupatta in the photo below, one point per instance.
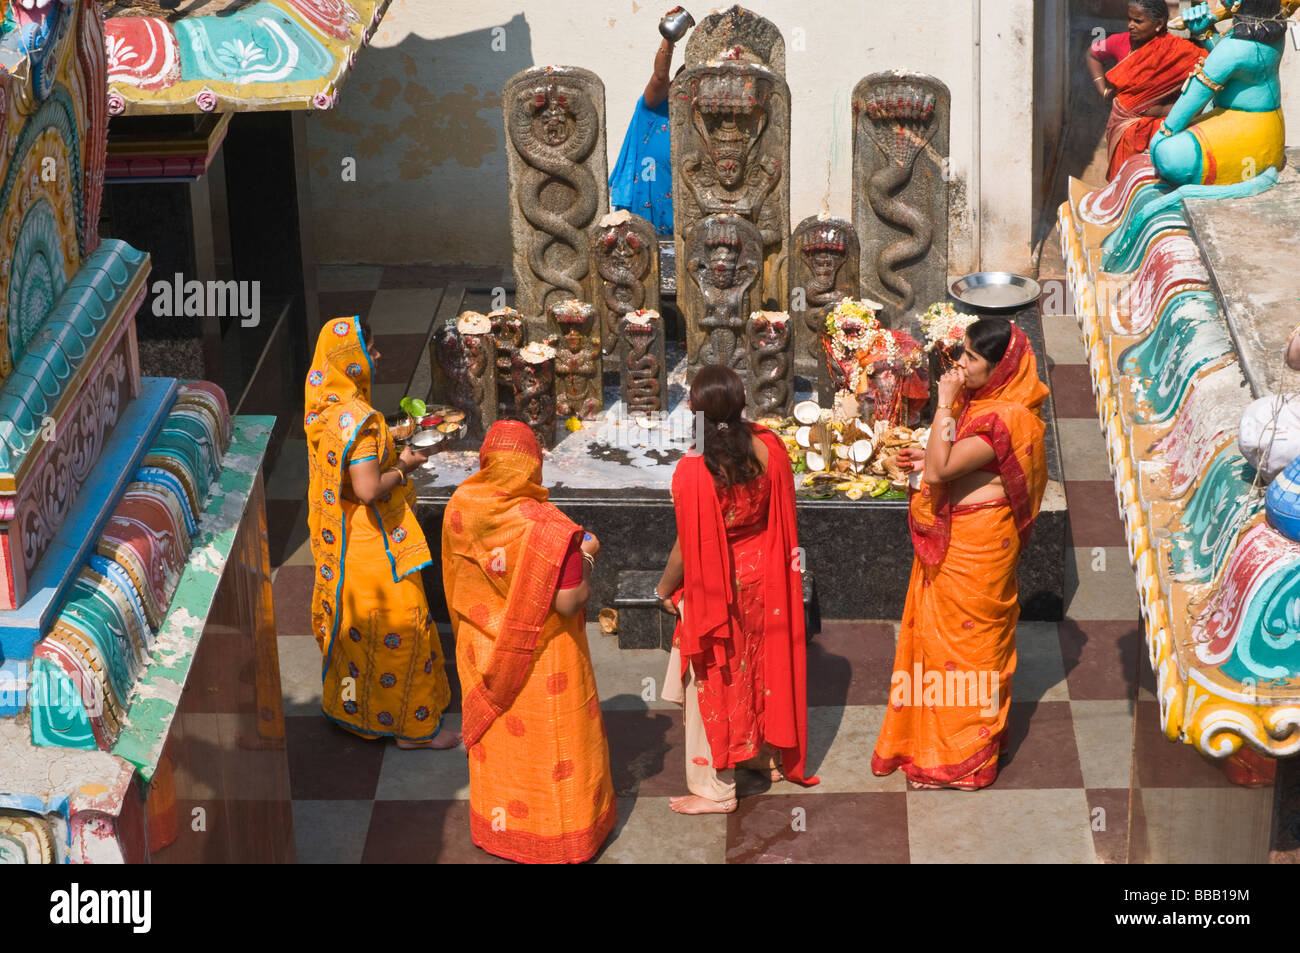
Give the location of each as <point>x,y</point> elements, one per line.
<point>1149,75</point>
<point>1006,410</point>
<point>710,595</point>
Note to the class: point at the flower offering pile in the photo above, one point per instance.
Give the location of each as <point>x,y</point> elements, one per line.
<point>879,366</point>
<point>944,329</point>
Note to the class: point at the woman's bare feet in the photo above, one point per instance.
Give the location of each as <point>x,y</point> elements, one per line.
<point>443,741</point>
<point>694,804</point>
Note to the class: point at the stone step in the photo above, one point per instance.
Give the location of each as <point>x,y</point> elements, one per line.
<point>643,625</point>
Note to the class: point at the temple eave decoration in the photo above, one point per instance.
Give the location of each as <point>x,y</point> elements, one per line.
<point>1218,582</point>
<point>266,55</point>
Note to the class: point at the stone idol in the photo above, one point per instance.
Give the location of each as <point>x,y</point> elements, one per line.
<point>740,33</point>
<point>824,270</point>
<point>723,261</point>
<point>730,125</point>
<point>464,370</point>
<point>575,326</point>
<point>559,183</point>
<point>900,192</point>
<point>643,374</point>
<point>625,259</point>
<point>510,334</point>
<point>769,343</point>
<point>533,377</point>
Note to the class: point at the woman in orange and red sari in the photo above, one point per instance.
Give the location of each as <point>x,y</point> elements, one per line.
<point>985,470</point>
<point>383,673</point>
<point>1151,67</point>
<point>738,663</point>
<point>515,571</point>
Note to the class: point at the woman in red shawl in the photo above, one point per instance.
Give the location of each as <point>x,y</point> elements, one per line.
<point>1151,67</point>
<point>738,659</point>
<point>985,473</point>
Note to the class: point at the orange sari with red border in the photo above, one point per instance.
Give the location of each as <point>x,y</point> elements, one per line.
<point>951,686</point>
<point>540,789</point>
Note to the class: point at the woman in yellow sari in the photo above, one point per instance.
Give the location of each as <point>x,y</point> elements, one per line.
<point>985,473</point>
<point>382,674</point>
<point>514,569</point>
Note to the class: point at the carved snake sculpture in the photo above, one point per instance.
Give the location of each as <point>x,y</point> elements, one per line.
<point>642,373</point>
<point>769,363</point>
<point>547,164</point>
<point>900,124</point>
<point>535,397</point>
<point>614,276</point>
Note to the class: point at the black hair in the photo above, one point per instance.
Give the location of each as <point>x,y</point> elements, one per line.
<point>1259,20</point>
<point>718,394</point>
<point>1156,10</point>
<point>989,338</point>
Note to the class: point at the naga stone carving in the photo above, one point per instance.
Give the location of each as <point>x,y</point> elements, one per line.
<point>508,333</point>
<point>578,363</point>
<point>555,159</point>
<point>723,259</point>
<point>464,368</point>
<point>900,192</point>
<point>533,376</point>
<point>644,373</point>
<point>625,257</point>
<point>730,125</point>
<point>740,33</point>
<point>824,270</point>
<point>770,384</point>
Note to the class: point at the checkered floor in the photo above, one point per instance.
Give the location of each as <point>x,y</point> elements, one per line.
<point>1087,777</point>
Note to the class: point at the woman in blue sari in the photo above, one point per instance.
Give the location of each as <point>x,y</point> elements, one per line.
<point>642,180</point>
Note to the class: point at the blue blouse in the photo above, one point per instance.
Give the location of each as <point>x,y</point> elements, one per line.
<point>642,180</point>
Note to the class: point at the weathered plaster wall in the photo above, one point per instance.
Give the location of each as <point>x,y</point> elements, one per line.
<point>421,116</point>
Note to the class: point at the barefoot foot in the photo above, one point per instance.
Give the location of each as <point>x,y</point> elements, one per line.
<point>444,741</point>
<point>694,804</point>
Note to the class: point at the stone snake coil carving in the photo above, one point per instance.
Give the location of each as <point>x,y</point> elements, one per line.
<point>642,370</point>
<point>901,127</point>
<point>554,127</point>
<point>770,386</point>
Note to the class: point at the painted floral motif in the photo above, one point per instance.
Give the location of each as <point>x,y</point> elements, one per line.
<point>392,640</point>
<point>350,707</point>
<point>327,536</point>
<point>341,328</point>
<point>206,100</point>
<point>331,398</point>
<point>353,670</point>
<point>326,573</point>
<point>388,680</point>
<point>428,667</point>
<point>326,606</point>
<point>354,634</point>
<point>315,378</point>
<point>354,370</point>
<point>312,417</point>
<point>329,497</point>
<point>384,718</point>
<point>421,713</point>
<point>399,534</point>
<point>345,421</point>
<point>332,458</point>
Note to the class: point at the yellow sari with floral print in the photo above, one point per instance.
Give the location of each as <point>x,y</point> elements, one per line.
<point>383,672</point>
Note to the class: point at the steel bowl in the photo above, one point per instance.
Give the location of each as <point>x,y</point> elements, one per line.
<point>995,291</point>
<point>675,24</point>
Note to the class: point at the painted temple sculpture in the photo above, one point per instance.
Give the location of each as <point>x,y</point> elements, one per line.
<point>121,497</point>
<point>1193,426</point>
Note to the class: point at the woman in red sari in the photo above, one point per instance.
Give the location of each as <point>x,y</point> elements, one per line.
<point>1151,67</point>
<point>985,473</point>
<point>738,663</point>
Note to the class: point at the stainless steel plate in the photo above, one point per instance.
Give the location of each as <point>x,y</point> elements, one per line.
<point>995,290</point>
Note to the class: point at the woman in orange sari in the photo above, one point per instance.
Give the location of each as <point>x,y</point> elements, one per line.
<point>985,473</point>
<point>514,569</point>
<point>738,662</point>
<point>1151,67</point>
<point>382,674</point>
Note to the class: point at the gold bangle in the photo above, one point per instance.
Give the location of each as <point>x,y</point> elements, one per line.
<point>947,407</point>
<point>1199,74</point>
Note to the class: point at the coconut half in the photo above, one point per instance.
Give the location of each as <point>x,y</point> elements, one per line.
<point>803,437</point>
<point>816,462</point>
<point>861,451</point>
<point>807,412</point>
<point>473,322</point>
